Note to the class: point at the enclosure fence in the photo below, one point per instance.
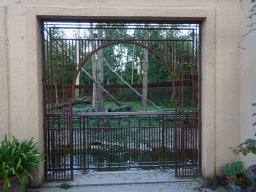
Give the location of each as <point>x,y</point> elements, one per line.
<point>127,141</point>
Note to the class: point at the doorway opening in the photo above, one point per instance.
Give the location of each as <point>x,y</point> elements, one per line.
<point>121,96</point>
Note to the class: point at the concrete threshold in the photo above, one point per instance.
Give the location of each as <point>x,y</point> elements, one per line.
<point>123,178</point>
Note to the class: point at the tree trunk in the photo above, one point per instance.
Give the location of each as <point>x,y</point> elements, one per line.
<point>122,80</point>
<point>100,107</point>
<point>82,69</point>
<point>77,63</point>
<point>145,74</point>
<point>57,96</point>
<point>93,70</point>
<point>132,63</point>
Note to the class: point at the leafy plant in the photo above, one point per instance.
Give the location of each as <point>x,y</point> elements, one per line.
<point>249,146</point>
<point>248,185</point>
<point>233,169</point>
<point>215,182</point>
<point>65,185</point>
<point>253,169</point>
<point>235,188</point>
<point>16,159</point>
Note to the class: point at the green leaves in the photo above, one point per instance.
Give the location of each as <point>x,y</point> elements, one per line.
<point>233,169</point>
<point>249,146</point>
<point>245,151</point>
<point>252,1</point>
<point>16,158</point>
<point>65,185</point>
<point>250,143</point>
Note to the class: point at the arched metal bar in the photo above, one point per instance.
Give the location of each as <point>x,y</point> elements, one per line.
<point>128,42</point>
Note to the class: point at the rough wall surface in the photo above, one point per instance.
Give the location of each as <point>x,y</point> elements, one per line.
<point>248,78</point>
<point>20,64</point>
<point>4,93</point>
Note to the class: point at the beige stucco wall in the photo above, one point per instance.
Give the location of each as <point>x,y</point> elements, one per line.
<point>21,74</point>
<point>4,80</point>
<point>248,82</point>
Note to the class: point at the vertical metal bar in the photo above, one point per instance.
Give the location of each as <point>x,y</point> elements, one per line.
<point>176,116</point>
<point>99,130</point>
<point>162,142</point>
<point>129,123</point>
<point>159,139</point>
<point>71,140</point>
<point>180,117</point>
<point>89,142</point>
<point>63,88</point>
<point>193,107</point>
<point>196,63</point>
<point>200,105</point>
<point>52,131</point>
<point>69,61</point>
<point>144,141</point>
<point>149,145</point>
<point>134,139</point>
<point>65,144</point>
<point>139,143</point>
<point>122,142</point>
<point>44,94</point>
<point>166,140</point>
<point>58,142</point>
<point>80,141</point>
<point>102,141</point>
<point>49,144</point>
<point>118,130</point>
<point>177,113</point>
<point>111,141</point>
<point>84,146</point>
<point>182,104</point>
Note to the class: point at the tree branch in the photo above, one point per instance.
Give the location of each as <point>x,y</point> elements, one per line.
<point>129,85</point>
<point>82,69</point>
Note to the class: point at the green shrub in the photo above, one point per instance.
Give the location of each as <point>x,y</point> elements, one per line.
<point>233,169</point>
<point>16,159</point>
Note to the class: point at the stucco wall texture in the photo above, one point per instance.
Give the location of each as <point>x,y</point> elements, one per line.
<point>223,109</point>
<point>248,78</point>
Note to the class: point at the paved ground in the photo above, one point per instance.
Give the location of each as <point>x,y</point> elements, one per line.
<point>121,181</point>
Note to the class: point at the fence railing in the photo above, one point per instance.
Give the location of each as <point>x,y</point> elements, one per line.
<point>117,140</point>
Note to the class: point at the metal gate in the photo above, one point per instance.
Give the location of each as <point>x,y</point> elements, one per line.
<point>80,139</point>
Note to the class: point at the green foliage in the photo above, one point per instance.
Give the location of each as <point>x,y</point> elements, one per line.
<point>250,179</point>
<point>233,169</point>
<point>198,181</point>
<point>249,184</point>
<point>215,182</point>
<point>235,188</point>
<point>17,158</point>
<point>249,146</point>
<point>65,185</point>
<point>127,60</point>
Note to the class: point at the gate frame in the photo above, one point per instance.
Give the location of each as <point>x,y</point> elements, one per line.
<point>173,100</point>
<point>208,26</point>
